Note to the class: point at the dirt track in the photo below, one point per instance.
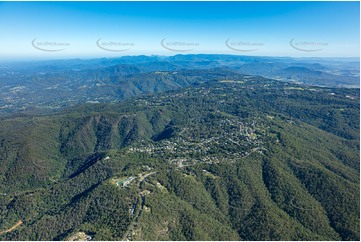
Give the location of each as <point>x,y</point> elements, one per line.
<point>12,228</point>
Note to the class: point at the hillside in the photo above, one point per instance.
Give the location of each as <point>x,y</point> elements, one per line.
<point>48,86</point>
<point>213,158</point>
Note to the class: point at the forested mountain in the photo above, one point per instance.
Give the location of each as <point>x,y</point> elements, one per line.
<point>215,156</point>
<point>48,86</point>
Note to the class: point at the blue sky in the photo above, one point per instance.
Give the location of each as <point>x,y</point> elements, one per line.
<point>322,29</point>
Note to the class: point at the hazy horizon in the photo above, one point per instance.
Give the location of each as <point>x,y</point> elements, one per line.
<point>45,59</point>
<point>88,30</point>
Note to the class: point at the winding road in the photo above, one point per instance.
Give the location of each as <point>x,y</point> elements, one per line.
<point>140,203</point>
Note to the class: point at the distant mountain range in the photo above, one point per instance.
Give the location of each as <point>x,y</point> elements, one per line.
<point>49,85</point>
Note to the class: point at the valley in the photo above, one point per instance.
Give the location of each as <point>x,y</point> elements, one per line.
<point>180,121</point>
<point>248,158</point>
<point>43,87</point>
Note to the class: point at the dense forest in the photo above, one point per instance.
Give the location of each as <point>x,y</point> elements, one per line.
<point>234,158</point>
